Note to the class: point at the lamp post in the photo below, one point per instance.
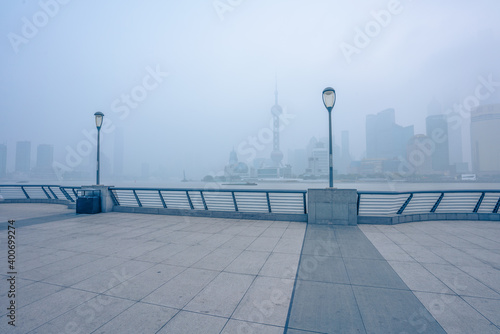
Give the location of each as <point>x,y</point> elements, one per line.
<point>99,116</point>
<point>329,98</point>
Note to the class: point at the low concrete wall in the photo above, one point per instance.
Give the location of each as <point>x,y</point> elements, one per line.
<point>332,206</point>
<point>35,200</point>
<point>215,214</point>
<point>392,220</point>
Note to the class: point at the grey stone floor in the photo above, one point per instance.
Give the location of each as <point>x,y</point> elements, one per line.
<point>453,267</point>
<point>132,273</point>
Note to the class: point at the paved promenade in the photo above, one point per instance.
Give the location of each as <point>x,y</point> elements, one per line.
<point>134,273</point>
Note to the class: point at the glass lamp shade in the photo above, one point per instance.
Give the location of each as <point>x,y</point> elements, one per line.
<point>329,98</point>
<point>99,116</point>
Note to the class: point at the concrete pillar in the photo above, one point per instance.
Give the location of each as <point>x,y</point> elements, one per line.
<point>332,206</point>
<point>106,200</point>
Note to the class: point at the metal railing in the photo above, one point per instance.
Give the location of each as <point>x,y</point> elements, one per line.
<point>421,202</point>
<point>30,191</point>
<point>236,200</point>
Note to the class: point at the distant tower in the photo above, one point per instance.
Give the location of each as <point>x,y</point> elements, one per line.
<point>276,110</point>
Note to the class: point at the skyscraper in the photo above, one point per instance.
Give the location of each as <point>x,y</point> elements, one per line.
<point>384,138</point>
<point>3,160</point>
<point>485,139</point>
<point>23,156</point>
<point>437,132</point>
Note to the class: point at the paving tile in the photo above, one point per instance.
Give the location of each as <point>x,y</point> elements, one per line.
<point>460,282</point>
<point>239,242</point>
<point>314,304</point>
<point>110,278</point>
<point>487,275</point>
<point>417,278</point>
<point>248,262</point>
<point>237,326</point>
<point>180,290</point>
<point>393,311</point>
<point>489,308</point>
<point>221,296</point>
<point>193,323</point>
<point>455,315</point>
<point>139,318</point>
<point>289,246</point>
<point>266,301</point>
<point>46,309</point>
<point>281,265</point>
<point>263,244</point>
<point>422,254</point>
<point>323,269</point>
<point>88,316</point>
<point>218,259</point>
<point>322,247</point>
<point>375,273</point>
<point>161,253</point>
<point>188,257</point>
<point>146,282</point>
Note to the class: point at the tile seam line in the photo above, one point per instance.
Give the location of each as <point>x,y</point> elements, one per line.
<point>292,297</point>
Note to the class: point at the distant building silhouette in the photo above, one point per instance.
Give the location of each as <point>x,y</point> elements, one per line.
<point>437,131</point>
<point>3,160</point>
<point>420,161</point>
<point>384,138</point>
<point>236,170</point>
<point>23,157</point>
<point>485,139</point>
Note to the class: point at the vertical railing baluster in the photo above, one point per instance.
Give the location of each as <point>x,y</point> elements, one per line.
<point>478,205</point>
<point>268,202</point>
<point>162,199</point>
<point>203,200</point>
<point>137,198</point>
<point>65,193</point>
<point>497,206</point>
<point>434,208</point>
<point>405,204</point>
<point>53,193</point>
<point>234,201</point>
<point>304,201</point>
<point>114,197</point>
<point>25,193</point>
<point>46,193</point>
<point>189,200</point>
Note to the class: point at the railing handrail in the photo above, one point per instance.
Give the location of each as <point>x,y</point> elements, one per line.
<point>213,190</point>
<point>427,192</point>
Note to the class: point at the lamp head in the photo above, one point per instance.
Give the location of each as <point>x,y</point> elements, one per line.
<point>329,98</point>
<point>99,116</point>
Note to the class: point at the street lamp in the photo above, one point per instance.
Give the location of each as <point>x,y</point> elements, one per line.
<point>99,116</point>
<point>329,98</point>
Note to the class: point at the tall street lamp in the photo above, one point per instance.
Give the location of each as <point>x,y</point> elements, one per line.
<point>99,116</point>
<point>329,98</point>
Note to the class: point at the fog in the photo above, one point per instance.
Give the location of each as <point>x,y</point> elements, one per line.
<point>185,82</point>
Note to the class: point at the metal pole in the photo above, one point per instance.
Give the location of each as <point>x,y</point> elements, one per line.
<point>98,140</point>
<point>330,158</point>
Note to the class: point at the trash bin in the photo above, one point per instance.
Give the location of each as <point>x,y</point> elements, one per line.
<point>88,201</point>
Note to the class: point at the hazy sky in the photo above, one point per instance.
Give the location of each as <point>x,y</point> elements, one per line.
<point>64,60</point>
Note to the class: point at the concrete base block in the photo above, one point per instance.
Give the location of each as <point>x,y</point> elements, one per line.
<point>332,206</point>
<point>106,200</point>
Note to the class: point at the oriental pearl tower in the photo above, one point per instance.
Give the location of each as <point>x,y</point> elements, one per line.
<point>276,111</point>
